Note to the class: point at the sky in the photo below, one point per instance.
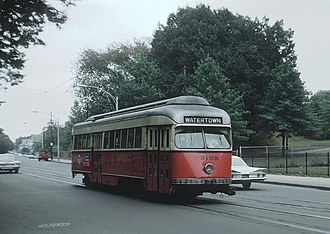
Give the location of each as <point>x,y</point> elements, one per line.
<point>47,90</point>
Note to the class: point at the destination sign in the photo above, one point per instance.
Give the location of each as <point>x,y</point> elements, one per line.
<point>202,120</point>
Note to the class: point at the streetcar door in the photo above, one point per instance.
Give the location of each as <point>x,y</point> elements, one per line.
<point>158,162</point>
<point>97,157</point>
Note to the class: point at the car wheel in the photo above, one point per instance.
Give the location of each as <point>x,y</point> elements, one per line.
<point>16,170</point>
<point>246,185</point>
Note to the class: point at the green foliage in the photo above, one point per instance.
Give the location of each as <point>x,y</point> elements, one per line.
<point>283,105</point>
<point>209,82</point>
<point>247,51</point>
<point>126,71</point>
<point>21,23</point>
<point>318,111</point>
<point>66,137</point>
<point>5,143</point>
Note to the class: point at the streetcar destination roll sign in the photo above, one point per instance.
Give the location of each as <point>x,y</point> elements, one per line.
<point>202,120</point>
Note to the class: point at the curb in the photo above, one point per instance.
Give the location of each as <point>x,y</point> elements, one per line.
<point>55,161</point>
<point>297,185</point>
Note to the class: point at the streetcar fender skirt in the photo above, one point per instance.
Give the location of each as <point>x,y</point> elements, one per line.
<point>199,189</point>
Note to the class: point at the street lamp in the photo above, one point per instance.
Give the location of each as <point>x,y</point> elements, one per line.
<point>114,99</point>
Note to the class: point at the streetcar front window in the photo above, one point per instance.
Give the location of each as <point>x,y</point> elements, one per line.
<point>189,139</point>
<point>216,140</point>
<point>201,138</point>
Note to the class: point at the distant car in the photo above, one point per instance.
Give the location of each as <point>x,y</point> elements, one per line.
<point>43,155</point>
<point>30,156</point>
<point>9,163</point>
<point>244,174</point>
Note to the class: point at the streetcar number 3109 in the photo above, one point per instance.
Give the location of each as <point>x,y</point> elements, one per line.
<point>205,157</point>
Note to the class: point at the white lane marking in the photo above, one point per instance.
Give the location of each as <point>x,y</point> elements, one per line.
<point>293,225</point>
<point>57,180</point>
<point>54,225</point>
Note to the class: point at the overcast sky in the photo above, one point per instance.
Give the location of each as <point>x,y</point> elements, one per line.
<point>95,24</point>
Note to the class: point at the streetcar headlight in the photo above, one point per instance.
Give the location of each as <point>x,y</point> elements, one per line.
<point>208,168</point>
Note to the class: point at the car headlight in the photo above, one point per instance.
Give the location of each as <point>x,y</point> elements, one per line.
<point>208,168</point>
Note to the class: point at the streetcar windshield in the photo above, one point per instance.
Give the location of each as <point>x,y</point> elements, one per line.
<point>200,138</point>
<point>190,139</point>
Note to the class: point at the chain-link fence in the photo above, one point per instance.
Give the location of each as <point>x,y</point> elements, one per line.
<point>293,160</point>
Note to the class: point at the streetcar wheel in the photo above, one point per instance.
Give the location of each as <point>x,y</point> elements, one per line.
<point>246,185</point>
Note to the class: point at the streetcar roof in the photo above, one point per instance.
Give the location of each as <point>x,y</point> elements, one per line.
<point>176,108</point>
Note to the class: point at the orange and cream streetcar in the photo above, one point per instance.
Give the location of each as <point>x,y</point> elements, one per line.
<point>176,146</point>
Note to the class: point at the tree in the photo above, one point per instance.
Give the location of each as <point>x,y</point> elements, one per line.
<point>318,110</point>
<point>209,82</point>
<point>126,71</point>
<point>283,106</point>
<point>5,143</point>
<point>21,23</point>
<point>246,50</point>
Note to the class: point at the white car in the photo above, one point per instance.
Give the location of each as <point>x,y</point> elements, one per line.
<point>9,163</point>
<point>242,173</point>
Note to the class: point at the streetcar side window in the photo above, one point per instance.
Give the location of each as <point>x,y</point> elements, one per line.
<point>156,138</point>
<point>167,138</point>
<point>84,141</point>
<point>162,138</point>
<point>97,141</point>
<point>89,141</point>
<point>117,139</point>
<point>130,141</point>
<point>123,139</point>
<point>106,143</point>
<point>77,142</point>
<point>150,138</point>
<point>112,140</point>
<point>138,137</point>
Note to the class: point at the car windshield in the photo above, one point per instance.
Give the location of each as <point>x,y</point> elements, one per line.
<point>237,161</point>
<point>6,158</point>
<point>199,138</point>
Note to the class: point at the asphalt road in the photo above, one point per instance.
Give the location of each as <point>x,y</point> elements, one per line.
<point>43,198</point>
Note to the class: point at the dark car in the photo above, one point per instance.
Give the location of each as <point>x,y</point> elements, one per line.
<point>9,163</point>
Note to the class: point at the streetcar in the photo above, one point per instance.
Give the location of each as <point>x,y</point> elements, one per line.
<point>179,146</point>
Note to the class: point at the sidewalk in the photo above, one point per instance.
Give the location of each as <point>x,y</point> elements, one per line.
<point>61,160</point>
<point>299,181</point>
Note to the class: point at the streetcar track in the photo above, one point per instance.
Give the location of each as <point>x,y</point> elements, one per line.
<point>270,209</point>
<point>286,198</point>
<point>291,205</point>
<point>281,222</point>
